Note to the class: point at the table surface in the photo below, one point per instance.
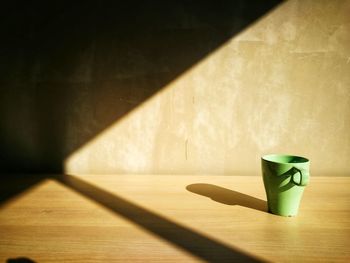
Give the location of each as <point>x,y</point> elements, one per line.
<point>169,218</point>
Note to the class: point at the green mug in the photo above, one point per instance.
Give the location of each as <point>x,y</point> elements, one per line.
<point>285,177</point>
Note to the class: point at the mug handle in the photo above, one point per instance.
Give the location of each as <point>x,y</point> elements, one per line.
<point>304,177</point>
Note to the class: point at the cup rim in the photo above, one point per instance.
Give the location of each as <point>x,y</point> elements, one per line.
<point>267,157</point>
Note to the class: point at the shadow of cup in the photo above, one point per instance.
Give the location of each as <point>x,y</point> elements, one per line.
<point>20,260</point>
<point>228,197</point>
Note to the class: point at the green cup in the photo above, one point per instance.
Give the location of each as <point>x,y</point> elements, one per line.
<point>285,177</point>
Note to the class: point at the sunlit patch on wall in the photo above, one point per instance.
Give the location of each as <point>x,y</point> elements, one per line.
<point>259,92</point>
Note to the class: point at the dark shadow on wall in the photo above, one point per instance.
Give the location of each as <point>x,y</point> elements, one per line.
<point>180,236</point>
<point>69,69</point>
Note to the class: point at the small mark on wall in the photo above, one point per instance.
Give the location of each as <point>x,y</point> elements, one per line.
<point>186,149</point>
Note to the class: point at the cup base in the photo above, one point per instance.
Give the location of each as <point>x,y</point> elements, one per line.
<point>279,214</point>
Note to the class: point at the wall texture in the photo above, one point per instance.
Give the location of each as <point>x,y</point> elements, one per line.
<point>192,89</point>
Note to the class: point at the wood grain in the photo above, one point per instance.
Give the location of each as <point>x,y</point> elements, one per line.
<point>157,218</point>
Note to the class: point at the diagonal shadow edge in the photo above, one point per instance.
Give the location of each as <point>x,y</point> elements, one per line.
<point>55,98</point>
<point>15,184</point>
<point>178,235</point>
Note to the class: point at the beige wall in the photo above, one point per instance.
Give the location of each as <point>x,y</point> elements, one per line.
<point>131,87</point>
<point>281,85</point>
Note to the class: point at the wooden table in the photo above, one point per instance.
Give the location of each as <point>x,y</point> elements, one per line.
<point>169,218</point>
